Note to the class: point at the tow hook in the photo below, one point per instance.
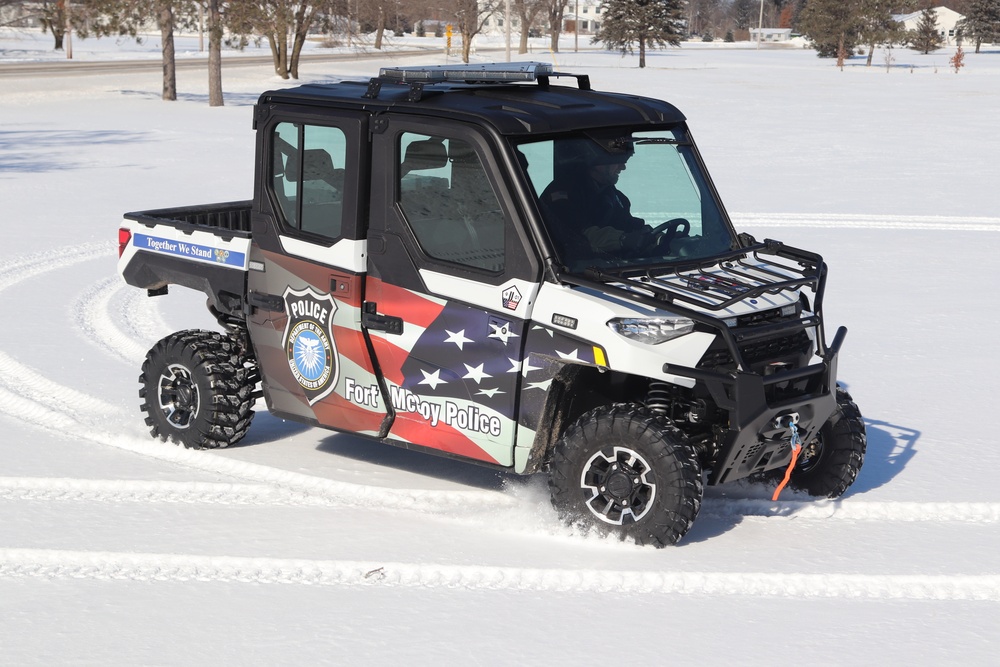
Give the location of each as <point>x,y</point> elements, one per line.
<point>790,422</point>
<point>787,421</point>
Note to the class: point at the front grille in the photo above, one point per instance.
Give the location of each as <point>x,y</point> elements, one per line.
<point>758,351</point>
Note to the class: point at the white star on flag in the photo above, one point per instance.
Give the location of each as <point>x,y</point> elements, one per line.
<point>524,367</point>
<point>489,393</point>
<point>457,338</point>
<point>475,374</point>
<point>432,379</point>
<point>544,386</point>
<point>502,332</point>
<point>572,356</point>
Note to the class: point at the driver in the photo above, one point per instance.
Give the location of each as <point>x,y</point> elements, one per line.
<point>587,211</point>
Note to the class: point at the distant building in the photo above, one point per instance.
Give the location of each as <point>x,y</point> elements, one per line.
<point>588,19</point>
<point>946,20</point>
<point>771,34</point>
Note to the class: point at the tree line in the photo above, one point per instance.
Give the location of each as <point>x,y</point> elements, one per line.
<point>284,24</point>
<point>836,28</point>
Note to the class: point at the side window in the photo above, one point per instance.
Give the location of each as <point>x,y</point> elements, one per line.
<point>308,176</point>
<point>448,201</point>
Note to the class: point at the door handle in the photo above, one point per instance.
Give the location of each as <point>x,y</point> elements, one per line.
<point>370,319</point>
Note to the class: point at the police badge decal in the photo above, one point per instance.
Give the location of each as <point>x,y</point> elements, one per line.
<point>309,342</point>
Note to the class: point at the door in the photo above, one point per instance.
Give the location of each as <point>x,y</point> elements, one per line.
<point>307,269</point>
<point>449,289</point>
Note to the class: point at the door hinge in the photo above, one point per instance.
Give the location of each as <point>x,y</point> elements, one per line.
<point>370,319</point>
<point>269,302</point>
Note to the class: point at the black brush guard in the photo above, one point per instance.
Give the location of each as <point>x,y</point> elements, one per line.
<point>757,438</point>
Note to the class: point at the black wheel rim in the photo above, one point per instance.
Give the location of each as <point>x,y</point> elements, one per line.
<point>179,397</point>
<point>812,453</point>
<point>618,485</point>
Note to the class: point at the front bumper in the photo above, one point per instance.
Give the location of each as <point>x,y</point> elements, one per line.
<point>754,441</point>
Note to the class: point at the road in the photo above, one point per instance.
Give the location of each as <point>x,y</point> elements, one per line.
<point>84,67</point>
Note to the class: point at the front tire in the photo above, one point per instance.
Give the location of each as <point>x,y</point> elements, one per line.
<point>626,471</point>
<point>196,391</point>
<point>830,462</point>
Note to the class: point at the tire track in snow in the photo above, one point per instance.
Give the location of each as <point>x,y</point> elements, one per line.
<point>91,312</point>
<point>141,491</point>
<point>24,386</point>
<point>853,510</point>
<point>855,221</point>
<point>341,493</point>
<point>146,567</point>
<point>28,384</point>
<point>19,269</point>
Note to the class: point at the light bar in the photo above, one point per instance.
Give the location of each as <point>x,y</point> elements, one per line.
<point>499,72</point>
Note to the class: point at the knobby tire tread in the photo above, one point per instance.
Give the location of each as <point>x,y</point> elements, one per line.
<point>672,458</point>
<point>223,419</point>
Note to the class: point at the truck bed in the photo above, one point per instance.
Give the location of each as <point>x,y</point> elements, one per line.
<point>205,248</point>
<point>226,216</point>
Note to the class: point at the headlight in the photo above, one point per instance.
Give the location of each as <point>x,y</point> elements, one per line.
<point>651,330</point>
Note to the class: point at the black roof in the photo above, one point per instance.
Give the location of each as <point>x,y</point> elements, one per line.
<point>512,109</point>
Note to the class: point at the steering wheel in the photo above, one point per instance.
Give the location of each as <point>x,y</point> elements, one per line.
<point>671,229</point>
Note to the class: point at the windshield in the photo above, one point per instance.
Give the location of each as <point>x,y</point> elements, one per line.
<point>623,199</point>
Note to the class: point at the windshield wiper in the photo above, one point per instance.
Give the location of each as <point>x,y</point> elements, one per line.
<point>672,142</point>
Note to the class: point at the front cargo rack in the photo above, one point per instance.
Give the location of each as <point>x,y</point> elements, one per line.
<point>723,280</point>
<point>700,290</point>
<point>417,77</point>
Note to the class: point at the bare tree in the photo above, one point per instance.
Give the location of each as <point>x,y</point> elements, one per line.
<point>470,16</point>
<point>279,21</point>
<point>128,17</point>
<point>555,10</point>
<point>215,98</point>
<point>527,12</point>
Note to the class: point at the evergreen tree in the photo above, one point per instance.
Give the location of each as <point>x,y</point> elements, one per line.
<point>876,25</point>
<point>982,22</point>
<point>648,23</point>
<point>833,26</point>
<point>927,36</point>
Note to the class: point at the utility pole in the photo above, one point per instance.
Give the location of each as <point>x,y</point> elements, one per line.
<point>576,26</point>
<point>760,24</point>
<point>506,25</point>
<point>69,32</point>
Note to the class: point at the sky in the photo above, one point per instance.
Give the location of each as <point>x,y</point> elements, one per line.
<point>306,546</point>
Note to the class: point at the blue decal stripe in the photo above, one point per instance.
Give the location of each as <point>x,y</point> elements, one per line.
<point>196,251</point>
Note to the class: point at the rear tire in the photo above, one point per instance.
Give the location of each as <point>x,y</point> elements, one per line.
<point>196,390</point>
<point>626,471</point>
<point>830,462</point>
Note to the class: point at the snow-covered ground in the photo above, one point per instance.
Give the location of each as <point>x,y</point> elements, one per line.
<point>302,546</point>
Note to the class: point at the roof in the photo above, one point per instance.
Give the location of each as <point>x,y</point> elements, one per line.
<point>511,108</point>
<point>942,12</point>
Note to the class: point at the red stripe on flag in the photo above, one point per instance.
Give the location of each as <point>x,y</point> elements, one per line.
<point>351,344</point>
<point>390,359</point>
<point>413,428</point>
<point>335,411</point>
<point>398,302</point>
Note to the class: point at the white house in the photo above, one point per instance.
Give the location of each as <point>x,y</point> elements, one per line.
<point>771,34</point>
<point>585,13</point>
<point>946,20</point>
